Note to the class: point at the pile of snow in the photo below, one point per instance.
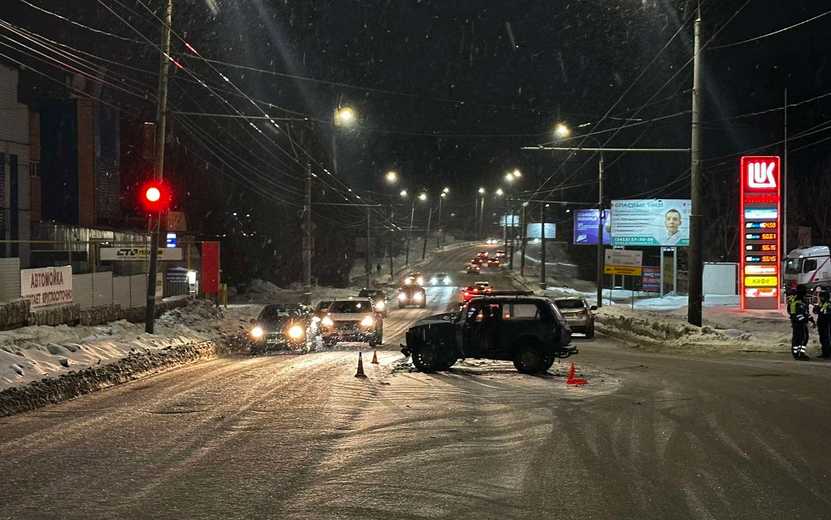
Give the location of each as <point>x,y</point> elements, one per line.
<point>724,330</point>
<point>31,353</point>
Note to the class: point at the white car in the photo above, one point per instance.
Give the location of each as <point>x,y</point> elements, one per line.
<point>352,320</point>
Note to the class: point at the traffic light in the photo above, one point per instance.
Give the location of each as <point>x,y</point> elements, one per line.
<point>155,197</point>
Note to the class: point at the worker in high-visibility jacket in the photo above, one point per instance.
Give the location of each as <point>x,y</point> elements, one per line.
<point>800,317</point>
<point>823,311</point>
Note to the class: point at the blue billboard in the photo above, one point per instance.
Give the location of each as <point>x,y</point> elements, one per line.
<point>585,227</point>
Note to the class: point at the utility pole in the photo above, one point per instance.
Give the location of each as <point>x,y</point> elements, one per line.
<point>696,265</point>
<point>368,239</point>
<point>482,218</point>
<point>523,238</point>
<point>438,236</point>
<point>389,242</point>
<point>427,236</point>
<point>505,226</point>
<point>600,252</point>
<point>409,234</point>
<point>475,215</point>
<point>307,238</point>
<point>158,171</point>
<point>784,184</point>
<point>542,245</point>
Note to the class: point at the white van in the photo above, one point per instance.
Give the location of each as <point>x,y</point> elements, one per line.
<point>809,266</point>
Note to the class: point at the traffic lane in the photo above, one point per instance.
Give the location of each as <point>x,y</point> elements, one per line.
<point>696,437</point>
<point>228,438</point>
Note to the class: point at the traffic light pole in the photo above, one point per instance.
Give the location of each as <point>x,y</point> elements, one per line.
<point>158,170</point>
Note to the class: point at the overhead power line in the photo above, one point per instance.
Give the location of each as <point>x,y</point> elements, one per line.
<point>772,33</point>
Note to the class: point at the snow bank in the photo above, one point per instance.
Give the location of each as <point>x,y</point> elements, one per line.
<point>32,353</point>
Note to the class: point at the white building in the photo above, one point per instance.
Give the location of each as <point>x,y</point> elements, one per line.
<point>16,166</point>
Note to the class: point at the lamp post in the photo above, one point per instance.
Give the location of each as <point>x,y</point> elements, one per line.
<point>342,117</point>
<point>440,237</point>
<point>510,178</point>
<point>391,178</point>
<point>482,193</point>
<point>422,197</point>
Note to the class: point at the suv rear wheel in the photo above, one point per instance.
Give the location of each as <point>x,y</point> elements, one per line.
<point>529,359</point>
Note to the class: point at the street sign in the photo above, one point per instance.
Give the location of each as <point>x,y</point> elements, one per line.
<point>760,222</point>
<point>138,254</point>
<point>622,261</point>
<point>171,240</point>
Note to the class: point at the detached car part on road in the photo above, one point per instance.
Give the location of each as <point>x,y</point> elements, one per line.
<point>412,296</point>
<point>578,314</point>
<point>528,330</point>
<point>284,327</point>
<point>352,320</point>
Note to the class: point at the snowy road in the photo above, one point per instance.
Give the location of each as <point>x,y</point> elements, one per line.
<point>651,436</point>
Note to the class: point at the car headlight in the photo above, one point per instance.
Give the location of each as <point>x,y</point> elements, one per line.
<point>418,297</point>
<point>257,332</point>
<point>408,281</point>
<point>434,280</point>
<point>402,296</point>
<point>368,321</point>
<point>327,322</point>
<point>380,306</point>
<point>296,332</point>
<point>420,280</point>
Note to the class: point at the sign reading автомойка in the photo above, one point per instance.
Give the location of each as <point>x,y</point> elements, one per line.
<point>46,286</point>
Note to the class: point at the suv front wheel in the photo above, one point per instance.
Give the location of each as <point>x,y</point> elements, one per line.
<point>425,358</point>
<point>530,359</point>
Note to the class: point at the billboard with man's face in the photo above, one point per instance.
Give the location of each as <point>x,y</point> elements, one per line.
<point>651,222</point>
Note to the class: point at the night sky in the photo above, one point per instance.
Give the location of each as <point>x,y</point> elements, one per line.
<point>448,92</point>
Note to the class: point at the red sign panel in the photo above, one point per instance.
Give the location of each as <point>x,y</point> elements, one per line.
<point>210,267</point>
<point>760,279</point>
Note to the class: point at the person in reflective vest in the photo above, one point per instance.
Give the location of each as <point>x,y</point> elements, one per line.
<point>823,312</point>
<point>799,313</point>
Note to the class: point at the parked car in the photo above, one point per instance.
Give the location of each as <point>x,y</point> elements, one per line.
<point>352,320</point>
<point>578,314</point>
<point>284,327</point>
<point>440,279</point>
<point>528,330</point>
<point>414,278</point>
<point>412,295</point>
<point>379,299</point>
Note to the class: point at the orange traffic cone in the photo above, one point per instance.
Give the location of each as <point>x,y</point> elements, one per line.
<point>360,372</point>
<point>374,357</point>
<point>572,380</point>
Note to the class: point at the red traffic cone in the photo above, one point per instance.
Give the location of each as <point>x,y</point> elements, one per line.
<point>572,380</point>
<point>374,357</point>
<point>360,372</point>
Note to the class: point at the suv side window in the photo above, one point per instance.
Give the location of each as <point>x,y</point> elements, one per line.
<point>483,311</point>
<point>810,265</point>
<point>521,311</point>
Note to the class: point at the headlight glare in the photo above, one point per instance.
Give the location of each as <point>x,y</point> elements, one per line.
<point>418,297</point>
<point>257,332</point>
<point>296,332</point>
<point>368,321</point>
<point>327,322</point>
<point>402,296</point>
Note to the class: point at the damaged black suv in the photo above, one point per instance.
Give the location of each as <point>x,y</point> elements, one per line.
<point>528,330</point>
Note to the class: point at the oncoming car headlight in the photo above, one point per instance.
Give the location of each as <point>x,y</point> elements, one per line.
<point>327,322</point>
<point>257,332</point>
<point>368,321</point>
<point>402,296</point>
<point>296,331</point>
<point>418,296</point>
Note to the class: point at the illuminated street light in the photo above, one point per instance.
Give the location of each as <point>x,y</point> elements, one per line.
<point>422,197</point>
<point>403,194</point>
<point>516,173</point>
<point>391,176</point>
<point>444,194</point>
<point>446,190</point>
<point>345,116</point>
<point>499,192</point>
<point>481,191</point>
<point>561,131</point>
<point>509,178</point>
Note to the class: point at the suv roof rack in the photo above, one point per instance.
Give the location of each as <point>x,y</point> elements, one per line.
<point>505,293</point>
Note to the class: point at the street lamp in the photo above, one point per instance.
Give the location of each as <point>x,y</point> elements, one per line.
<point>422,197</point>
<point>443,196</point>
<point>499,192</point>
<point>345,117</point>
<point>479,203</point>
<point>516,173</point>
<point>445,191</point>
<point>391,177</point>
<point>562,131</point>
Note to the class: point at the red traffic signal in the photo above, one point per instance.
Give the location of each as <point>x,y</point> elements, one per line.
<point>155,197</point>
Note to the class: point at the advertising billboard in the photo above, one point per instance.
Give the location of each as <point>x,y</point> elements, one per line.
<point>534,230</point>
<point>760,221</point>
<point>651,222</point>
<point>585,227</point>
<point>510,220</point>
<point>46,286</point>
